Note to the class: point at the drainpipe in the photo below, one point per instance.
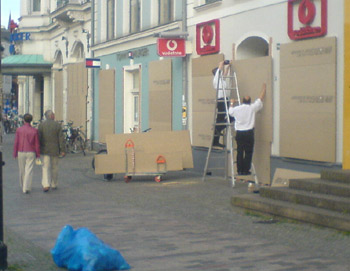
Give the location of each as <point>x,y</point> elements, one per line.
<point>184,69</point>
<point>92,73</point>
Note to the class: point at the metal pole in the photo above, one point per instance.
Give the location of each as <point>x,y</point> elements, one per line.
<point>3,247</point>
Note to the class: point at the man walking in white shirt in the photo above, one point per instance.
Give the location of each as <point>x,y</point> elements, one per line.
<point>244,116</point>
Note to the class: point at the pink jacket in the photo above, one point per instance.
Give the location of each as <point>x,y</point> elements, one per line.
<point>26,140</point>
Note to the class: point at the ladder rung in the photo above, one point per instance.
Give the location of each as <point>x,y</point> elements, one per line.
<point>215,168</point>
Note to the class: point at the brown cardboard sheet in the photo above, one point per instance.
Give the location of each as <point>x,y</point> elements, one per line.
<point>308,100</point>
<point>106,120</point>
<point>145,163</point>
<point>251,74</point>
<point>203,128</point>
<point>58,95</point>
<point>77,93</point>
<point>282,176</point>
<point>175,146</point>
<point>160,95</point>
<point>203,98</point>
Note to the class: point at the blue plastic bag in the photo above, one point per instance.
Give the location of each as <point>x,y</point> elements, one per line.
<point>81,250</point>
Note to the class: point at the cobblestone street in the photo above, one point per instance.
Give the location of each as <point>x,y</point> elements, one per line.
<point>179,224</point>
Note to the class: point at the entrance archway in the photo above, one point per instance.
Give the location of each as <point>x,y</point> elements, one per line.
<point>252,47</point>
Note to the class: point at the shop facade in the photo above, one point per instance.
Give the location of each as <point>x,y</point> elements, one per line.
<point>297,49</point>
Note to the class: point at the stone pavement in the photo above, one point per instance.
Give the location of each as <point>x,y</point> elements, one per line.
<point>179,224</point>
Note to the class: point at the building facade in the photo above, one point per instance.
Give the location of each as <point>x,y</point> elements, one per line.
<point>298,48</point>
<point>49,51</point>
<point>136,89</point>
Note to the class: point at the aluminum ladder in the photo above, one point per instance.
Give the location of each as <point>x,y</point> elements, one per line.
<point>228,150</point>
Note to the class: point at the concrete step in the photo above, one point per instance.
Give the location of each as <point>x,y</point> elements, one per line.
<point>336,175</point>
<point>330,202</point>
<point>321,186</point>
<point>294,211</point>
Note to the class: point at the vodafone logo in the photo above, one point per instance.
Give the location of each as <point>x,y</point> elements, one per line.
<point>171,47</point>
<point>307,18</point>
<point>208,37</point>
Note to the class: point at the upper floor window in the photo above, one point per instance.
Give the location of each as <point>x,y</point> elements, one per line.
<point>110,19</point>
<point>211,1</point>
<point>36,5</point>
<point>166,11</point>
<point>135,14</point>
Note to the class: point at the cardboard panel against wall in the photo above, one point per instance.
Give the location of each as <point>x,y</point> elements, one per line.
<point>77,94</point>
<point>160,95</point>
<point>308,101</point>
<point>204,129</point>
<point>153,142</point>
<point>106,121</point>
<point>251,74</point>
<point>58,95</point>
<point>203,98</point>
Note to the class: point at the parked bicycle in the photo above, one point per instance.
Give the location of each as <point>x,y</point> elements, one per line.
<point>75,138</point>
<point>11,122</point>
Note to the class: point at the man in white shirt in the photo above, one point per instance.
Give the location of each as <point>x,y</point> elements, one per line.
<point>244,116</point>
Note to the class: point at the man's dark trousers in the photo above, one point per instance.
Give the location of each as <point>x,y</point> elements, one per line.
<point>245,147</point>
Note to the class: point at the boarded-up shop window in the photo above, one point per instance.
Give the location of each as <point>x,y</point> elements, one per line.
<point>160,95</point>
<point>58,94</point>
<point>308,102</point>
<point>106,121</point>
<point>77,94</point>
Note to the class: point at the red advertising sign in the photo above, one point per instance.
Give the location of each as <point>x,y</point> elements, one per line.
<point>307,18</point>
<point>171,47</point>
<point>208,37</point>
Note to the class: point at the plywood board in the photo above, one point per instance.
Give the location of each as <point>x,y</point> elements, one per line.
<point>77,94</point>
<point>160,95</point>
<point>282,176</point>
<point>154,142</point>
<point>144,163</point>
<point>106,121</point>
<point>203,130</point>
<point>203,98</point>
<point>58,95</point>
<point>308,101</point>
<point>251,74</point>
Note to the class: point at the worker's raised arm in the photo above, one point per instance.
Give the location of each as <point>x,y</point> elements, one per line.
<point>263,92</point>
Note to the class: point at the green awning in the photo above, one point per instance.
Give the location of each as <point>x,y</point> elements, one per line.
<point>25,65</point>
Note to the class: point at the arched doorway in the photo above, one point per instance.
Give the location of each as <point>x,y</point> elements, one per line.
<point>252,47</point>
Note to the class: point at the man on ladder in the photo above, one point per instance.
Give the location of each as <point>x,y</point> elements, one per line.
<point>244,115</point>
<point>223,94</point>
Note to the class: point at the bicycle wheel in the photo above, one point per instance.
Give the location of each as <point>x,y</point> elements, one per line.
<point>78,145</point>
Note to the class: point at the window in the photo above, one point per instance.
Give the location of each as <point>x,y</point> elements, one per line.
<point>110,19</point>
<point>135,8</point>
<point>166,11</point>
<point>36,5</point>
<point>211,1</point>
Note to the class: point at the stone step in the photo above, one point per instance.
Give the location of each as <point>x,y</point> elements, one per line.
<point>294,211</point>
<point>321,186</point>
<point>330,202</point>
<point>336,175</point>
